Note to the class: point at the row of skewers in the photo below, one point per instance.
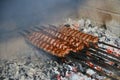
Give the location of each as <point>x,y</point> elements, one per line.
<point>65,42</point>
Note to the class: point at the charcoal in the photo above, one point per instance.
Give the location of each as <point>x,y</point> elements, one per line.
<point>100,35</point>
<point>87,23</point>
<point>107,39</point>
<point>2,78</point>
<point>80,68</point>
<point>81,29</point>
<point>11,79</point>
<point>117,42</point>
<point>28,61</point>
<point>67,25</point>
<point>104,26</point>
<point>90,25</point>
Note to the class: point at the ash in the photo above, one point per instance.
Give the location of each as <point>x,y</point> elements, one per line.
<point>27,69</point>
<point>70,71</point>
<point>37,69</point>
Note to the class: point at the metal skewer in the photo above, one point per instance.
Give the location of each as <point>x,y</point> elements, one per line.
<point>101,42</point>
<point>82,61</point>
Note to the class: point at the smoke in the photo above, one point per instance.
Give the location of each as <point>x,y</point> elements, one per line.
<point>25,13</point>
<point>18,15</point>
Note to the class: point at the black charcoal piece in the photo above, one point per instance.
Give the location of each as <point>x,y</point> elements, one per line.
<point>90,25</point>
<point>2,78</point>
<point>11,79</point>
<point>104,26</point>
<point>107,39</point>
<point>67,25</point>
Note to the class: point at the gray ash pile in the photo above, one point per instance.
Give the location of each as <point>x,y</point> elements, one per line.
<point>27,69</point>
<point>49,70</point>
<point>70,71</point>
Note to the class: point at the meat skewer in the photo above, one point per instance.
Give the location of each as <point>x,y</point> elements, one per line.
<point>71,40</point>
<point>42,42</point>
<point>48,39</point>
<point>60,36</point>
<point>78,33</point>
<point>86,37</point>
